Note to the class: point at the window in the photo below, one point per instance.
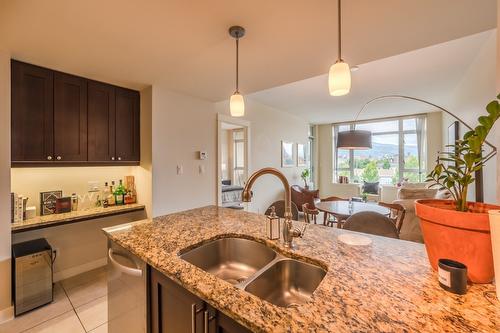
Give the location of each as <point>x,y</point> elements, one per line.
<point>238,156</point>
<point>397,152</point>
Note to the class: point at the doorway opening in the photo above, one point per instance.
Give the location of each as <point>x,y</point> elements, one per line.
<point>233,160</point>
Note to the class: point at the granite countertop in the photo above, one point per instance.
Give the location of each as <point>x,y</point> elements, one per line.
<point>387,286</point>
<point>74,216</point>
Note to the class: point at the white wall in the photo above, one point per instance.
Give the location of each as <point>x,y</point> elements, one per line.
<point>182,126</point>
<point>476,89</point>
<point>5,287</point>
<point>269,126</point>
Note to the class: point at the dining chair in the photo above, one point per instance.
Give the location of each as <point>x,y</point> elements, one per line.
<point>397,213</point>
<point>279,207</point>
<point>372,223</point>
<point>329,219</point>
<point>310,213</point>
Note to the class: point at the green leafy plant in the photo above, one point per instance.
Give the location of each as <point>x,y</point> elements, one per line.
<point>305,176</point>
<point>455,169</point>
<point>370,172</point>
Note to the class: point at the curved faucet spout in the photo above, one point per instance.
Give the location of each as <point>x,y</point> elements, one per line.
<point>247,194</point>
<point>289,232</point>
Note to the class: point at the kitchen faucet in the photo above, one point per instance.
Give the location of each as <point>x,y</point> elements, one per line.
<point>289,232</point>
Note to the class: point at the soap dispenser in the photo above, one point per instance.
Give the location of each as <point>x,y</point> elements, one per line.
<point>273,225</point>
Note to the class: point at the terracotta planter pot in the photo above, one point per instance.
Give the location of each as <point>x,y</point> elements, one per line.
<point>460,236</point>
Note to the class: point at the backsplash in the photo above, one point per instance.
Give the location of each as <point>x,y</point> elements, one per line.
<point>31,181</point>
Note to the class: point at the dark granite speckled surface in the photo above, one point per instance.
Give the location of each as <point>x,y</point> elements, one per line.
<point>387,286</point>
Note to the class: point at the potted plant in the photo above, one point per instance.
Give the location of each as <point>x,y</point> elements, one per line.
<point>457,229</point>
<point>305,176</point>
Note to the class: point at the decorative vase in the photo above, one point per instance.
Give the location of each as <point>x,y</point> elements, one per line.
<point>459,236</point>
<point>495,245</point>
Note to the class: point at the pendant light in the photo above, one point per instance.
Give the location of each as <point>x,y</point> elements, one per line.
<point>237,103</point>
<point>339,77</point>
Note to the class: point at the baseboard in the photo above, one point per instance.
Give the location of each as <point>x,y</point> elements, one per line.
<point>6,314</point>
<point>67,273</point>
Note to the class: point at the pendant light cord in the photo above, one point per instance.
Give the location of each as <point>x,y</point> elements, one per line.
<point>237,62</point>
<point>340,29</point>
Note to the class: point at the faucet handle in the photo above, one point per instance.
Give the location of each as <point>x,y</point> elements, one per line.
<point>303,231</point>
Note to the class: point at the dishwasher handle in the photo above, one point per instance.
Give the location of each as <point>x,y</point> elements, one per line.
<point>124,269</point>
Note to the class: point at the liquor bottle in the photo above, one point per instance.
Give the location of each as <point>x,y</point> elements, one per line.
<point>111,196</point>
<point>120,194</point>
<point>105,195</point>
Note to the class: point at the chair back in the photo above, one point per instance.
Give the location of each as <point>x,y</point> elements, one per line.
<point>334,198</point>
<point>310,213</point>
<point>372,223</point>
<point>397,213</point>
<point>279,207</point>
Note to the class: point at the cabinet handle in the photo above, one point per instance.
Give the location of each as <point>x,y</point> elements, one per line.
<point>49,158</point>
<point>119,158</point>
<point>194,311</point>
<point>59,158</point>
<point>207,318</point>
<point>113,158</point>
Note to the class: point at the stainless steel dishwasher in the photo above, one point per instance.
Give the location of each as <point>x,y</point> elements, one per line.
<point>127,283</point>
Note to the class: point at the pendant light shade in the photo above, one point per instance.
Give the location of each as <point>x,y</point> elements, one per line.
<point>354,139</point>
<point>237,103</point>
<point>339,79</point>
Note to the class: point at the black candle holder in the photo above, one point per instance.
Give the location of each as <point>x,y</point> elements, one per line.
<point>452,276</point>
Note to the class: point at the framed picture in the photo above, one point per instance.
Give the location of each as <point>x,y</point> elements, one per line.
<point>48,202</point>
<point>287,154</point>
<point>301,155</point>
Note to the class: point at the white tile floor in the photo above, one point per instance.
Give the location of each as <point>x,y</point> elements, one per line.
<point>80,305</point>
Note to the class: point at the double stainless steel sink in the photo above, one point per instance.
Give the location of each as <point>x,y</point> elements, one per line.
<point>257,269</point>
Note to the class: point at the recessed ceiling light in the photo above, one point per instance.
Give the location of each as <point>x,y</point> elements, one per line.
<point>354,68</point>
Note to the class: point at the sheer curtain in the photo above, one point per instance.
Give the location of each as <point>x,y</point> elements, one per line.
<point>421,146</point>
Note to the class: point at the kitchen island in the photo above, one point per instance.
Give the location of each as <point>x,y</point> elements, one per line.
<point>387,286</point>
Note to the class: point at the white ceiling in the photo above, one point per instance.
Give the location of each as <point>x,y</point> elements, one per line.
<point>185,43</point>
<point>431,73</point>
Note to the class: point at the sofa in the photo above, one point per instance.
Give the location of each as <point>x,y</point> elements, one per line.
<point>408,193</point>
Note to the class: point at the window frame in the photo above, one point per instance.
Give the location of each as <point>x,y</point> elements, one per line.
<point>401,146</point>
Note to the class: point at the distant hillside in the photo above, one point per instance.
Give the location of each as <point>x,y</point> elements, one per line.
<point>379,150</point>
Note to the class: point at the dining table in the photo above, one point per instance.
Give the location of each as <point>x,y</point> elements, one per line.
<point>343,209</point>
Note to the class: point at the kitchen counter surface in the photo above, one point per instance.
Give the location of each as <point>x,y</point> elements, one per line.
<point>387,286</point>
<point>45,221</point>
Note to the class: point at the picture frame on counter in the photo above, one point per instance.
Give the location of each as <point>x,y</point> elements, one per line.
<point>48,202</point>
<point>287,154</point>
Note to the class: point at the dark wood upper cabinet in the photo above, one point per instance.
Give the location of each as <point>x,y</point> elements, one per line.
<point>70,118</point>
<point>127,125</point>
<point>62,119</point>
<point>33,119</point>
<point>101,122</point>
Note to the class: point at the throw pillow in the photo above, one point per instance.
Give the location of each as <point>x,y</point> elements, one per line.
<point>370,188</point>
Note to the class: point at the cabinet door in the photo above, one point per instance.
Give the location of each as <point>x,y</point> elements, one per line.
<point>224,324</point>
<point>70,118</point>
<point>101,122</point>
<point>173,309</point>
<point>127,146</point>
<point>32,113</point>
